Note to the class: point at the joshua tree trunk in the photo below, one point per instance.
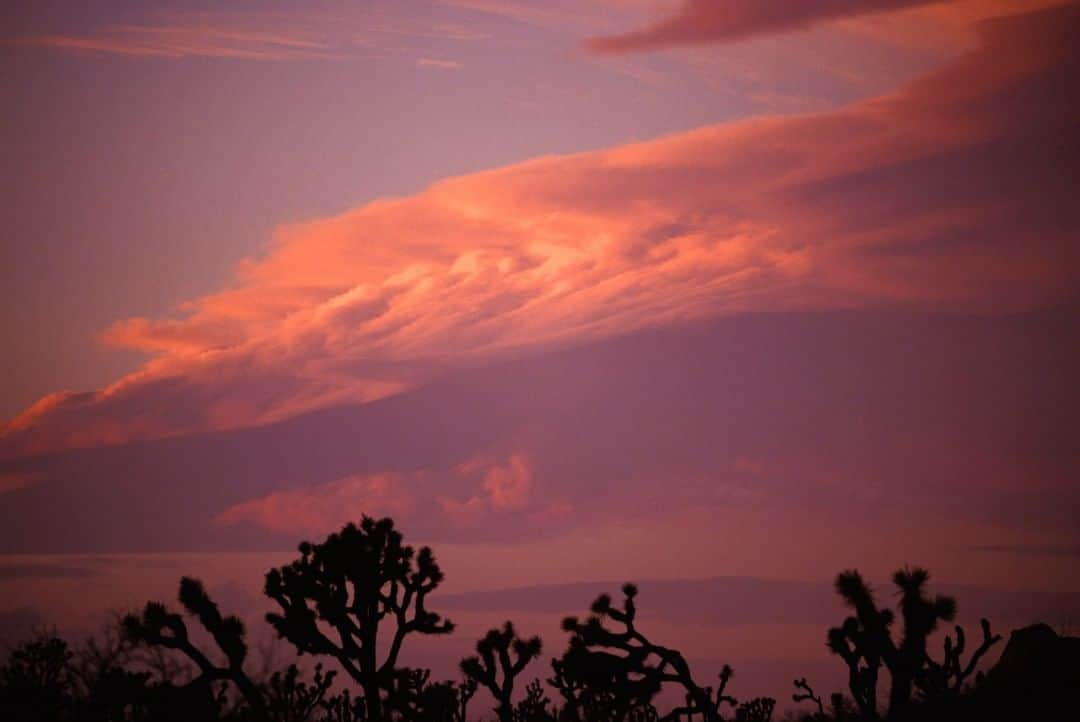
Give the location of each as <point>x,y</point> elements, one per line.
<point>372,701</point>
<point>900,694</point>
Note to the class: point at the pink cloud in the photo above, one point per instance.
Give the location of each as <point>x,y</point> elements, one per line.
<point>505,487</point>
<point>313,510</point>
<point>703,22</point>
<point>941,195</point>
<point>486,492</point>
<point>509,485</point>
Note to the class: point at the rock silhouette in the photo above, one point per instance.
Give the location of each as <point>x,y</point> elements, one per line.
<point>1036,676</point>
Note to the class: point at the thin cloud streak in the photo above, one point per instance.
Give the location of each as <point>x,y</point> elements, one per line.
<point>439,64</point>
<point>261,36</point>
<point>550,15</point>
<point>707,22</point>
<point>181,41</point>
<point>1038,550</point>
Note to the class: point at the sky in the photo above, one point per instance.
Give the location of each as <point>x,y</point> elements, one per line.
<point>721,297</point>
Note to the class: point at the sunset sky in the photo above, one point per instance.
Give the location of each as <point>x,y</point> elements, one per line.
<point>718,296</point>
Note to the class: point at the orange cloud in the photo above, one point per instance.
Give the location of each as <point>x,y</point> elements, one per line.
<point>954,193</point>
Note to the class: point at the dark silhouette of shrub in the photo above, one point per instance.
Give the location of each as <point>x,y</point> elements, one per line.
<point>291,699</point>
<point>464,692</point>
<point>343,707</point>
<point>36,683</point>
<point>534,706</point>
<point>413,697</point>
<point>759,709</point>
<point>842,708</point>
<point>353,582</point>
<point>501,655</point>
<point>45,681</point>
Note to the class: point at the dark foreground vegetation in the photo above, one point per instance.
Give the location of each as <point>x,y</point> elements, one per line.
<point>352,601</point>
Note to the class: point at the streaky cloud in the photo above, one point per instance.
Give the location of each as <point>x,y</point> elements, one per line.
<point>707,22</point>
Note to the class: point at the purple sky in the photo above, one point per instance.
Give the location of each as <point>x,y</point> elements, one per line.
<point>577,292</point>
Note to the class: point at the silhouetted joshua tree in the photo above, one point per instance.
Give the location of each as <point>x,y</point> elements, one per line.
<point>864,641</point>
<point>948,676</point>
<point>159,627</point>
<point>806,694</point>
<point>350,584</point>
<point>629,664</point>
<point>718,700</point>
<point>501,655</point>
<point>921,616</point>
<point>861,640</point>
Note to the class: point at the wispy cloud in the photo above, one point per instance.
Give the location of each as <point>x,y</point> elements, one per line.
<point>13,571</point>
<point>1037,550</point>
<point>554,15</point>
<point>438,64</point>
<point>703,22</point>
<point>258,36</point>
<point>178,41</point>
